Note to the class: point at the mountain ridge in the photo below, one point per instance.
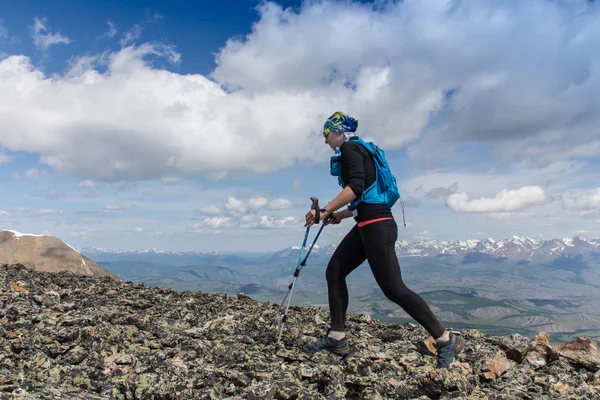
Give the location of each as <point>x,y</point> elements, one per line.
<point>515,248</point>
<point>46,253</point>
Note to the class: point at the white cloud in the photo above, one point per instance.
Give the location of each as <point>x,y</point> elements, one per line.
<point>43,38</point>
<point>131,35</point>
<point>424,235</point>
<point>218,222</point>
<point>406,57</point>
<point>48,211</point>
<point>83,233</point>
<point>87,184</point>
<point>211,210</point>
<point>242,214</point>
<point>4,213</point>
<point>266,222</point>
<point>138,230</point>
<point>3,31</point>
<point>505,201</point>
<point>5,159</point>
<point>582,200</point>
<point>35,173</point>
<point>235,207</point>
<point>258,202</point>
<point>170,180</point>
<point>112,31</point>
<point>403,60</point>
<point>510,215</point>
<point>280,204</point>
<point>113,207</point>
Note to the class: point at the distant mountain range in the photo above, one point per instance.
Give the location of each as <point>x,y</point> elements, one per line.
<point>514,248</point>
<point>101,250</point>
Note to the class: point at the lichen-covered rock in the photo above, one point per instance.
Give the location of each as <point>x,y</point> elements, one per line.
<point>582,351</point>
<point>66,336</point>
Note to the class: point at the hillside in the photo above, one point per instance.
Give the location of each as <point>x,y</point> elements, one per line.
<point>46,253</point>
<point>68,336</point>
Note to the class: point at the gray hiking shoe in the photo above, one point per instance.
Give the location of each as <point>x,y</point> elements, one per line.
<point>449,350</point>
<point>339,347</point>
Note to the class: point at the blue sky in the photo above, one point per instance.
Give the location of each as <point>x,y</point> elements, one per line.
<point>196,125</point>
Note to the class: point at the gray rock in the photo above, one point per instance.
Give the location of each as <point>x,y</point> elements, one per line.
<point>67,336</point>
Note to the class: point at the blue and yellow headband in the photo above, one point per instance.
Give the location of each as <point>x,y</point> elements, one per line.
<point>339,122</point>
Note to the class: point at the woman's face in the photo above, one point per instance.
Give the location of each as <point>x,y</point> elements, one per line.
<point>335,140</point>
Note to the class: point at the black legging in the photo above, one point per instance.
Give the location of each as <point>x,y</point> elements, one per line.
<point>374,242</point>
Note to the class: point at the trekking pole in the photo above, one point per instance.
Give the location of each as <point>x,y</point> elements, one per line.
<point>299,266</point>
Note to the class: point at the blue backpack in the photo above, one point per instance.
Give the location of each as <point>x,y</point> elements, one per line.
<point>384,190</point>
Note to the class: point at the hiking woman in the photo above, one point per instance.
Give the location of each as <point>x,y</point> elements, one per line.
<point>373,239</point>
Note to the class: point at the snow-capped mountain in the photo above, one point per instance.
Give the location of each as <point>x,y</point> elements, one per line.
<point>515,247</point>
<point>100,250</point>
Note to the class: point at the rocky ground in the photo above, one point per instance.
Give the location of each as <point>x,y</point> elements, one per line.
<point>64,336</point>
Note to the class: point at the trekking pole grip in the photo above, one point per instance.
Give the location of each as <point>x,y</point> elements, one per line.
<point>315,206</point>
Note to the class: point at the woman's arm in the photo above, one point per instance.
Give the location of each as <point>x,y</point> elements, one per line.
<point>345,197</point>
<point>344,214</point>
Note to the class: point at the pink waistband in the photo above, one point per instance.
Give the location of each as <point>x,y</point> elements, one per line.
<point>361,224</point>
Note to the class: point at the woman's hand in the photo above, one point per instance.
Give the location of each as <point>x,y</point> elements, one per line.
<point>311,216</point>
<point>333,219</point>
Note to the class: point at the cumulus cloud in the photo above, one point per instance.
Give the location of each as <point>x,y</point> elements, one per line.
<point>582,200</point>
<point>43,38</point>
<point>86,184</point>
<point>35,173</point>
<point>279,204</point>
<point>187,125</point>
<point>407,68</point>
<point>408,60</point>
<point>4,213</point>
<point>269,222</point>
<point>235,207</point>
<point>243,214</point>
<point>258,202</point>
<point>505,201</point>
<point>218,223</point>
<point>211,210</point>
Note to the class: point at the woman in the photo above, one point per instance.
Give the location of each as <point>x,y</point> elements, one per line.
<point>373,238</point>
